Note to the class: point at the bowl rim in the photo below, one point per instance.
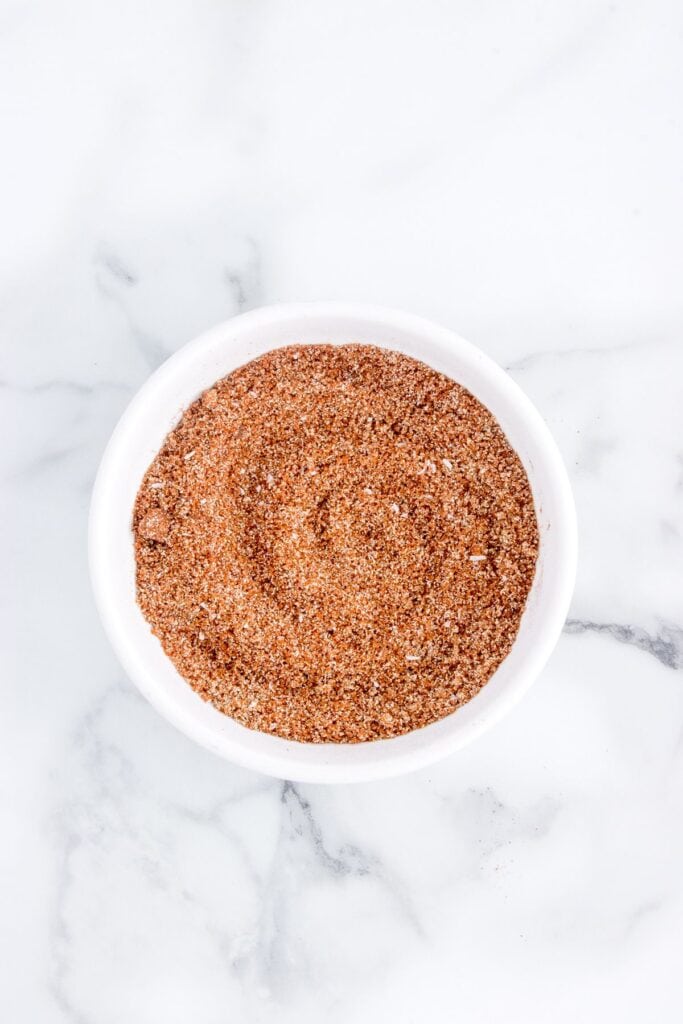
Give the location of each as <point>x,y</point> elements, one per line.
<point>286,764</point>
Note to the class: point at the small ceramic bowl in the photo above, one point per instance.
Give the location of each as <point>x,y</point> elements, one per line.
<point>139,435</point>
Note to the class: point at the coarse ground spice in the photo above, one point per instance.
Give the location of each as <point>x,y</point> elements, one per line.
<point>335,544</point>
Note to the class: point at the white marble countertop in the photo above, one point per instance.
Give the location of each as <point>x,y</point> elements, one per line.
<point>514,171</point>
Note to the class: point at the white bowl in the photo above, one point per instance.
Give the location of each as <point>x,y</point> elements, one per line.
<point>138,437</point>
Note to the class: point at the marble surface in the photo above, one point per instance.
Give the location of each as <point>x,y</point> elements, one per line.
<point>511,170</point>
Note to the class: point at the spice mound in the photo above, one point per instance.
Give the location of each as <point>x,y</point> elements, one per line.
<point>335,544</point>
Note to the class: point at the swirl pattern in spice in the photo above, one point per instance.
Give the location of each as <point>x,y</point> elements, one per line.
<point>335,544</point>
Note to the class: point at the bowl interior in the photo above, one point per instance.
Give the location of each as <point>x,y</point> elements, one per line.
<point>138,437</point>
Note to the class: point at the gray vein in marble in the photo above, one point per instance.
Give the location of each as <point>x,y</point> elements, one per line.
<point>528,361</point>
<point>679,479</point>
<point>50,451</point>
<point>493,825</point>
<point>245,284</point>
<point>350,859</point>
<point>300,846</point>
<point>72,387</point>
<point>111,275</point>
<point>68,829</point>
<point>61,938</point>
<point>669,530</point>
<point>215,818</point>
<point>44,461</point>
<point>641,913</point>
<point>666,646</point>
<point>111,262</point>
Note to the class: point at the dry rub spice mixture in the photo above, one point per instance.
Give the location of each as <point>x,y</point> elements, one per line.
<point>335,544</point>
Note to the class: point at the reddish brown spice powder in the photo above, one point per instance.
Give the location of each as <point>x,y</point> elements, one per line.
<point>335,544</point>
